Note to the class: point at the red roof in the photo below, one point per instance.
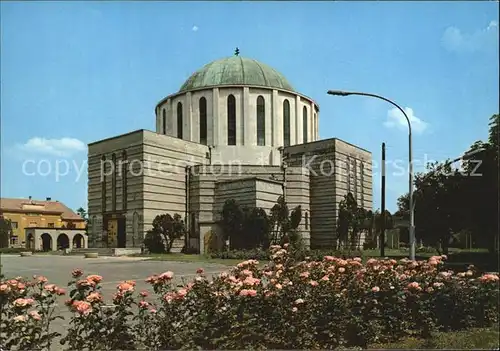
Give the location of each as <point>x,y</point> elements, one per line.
<point>37,206</point>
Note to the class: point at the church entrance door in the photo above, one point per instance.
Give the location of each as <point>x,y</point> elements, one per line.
<point>122,233</point>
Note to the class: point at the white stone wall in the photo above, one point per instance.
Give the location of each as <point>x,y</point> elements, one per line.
<point>246,149</point>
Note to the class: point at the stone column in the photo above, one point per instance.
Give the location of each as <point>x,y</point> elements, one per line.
<point>277,121</point>
<point>187,119</point>
<point>158,120</point>
<point>173,131</point>
<point>296,135</point>
<point>310,120</point>
<point>249,135</point>
<point>216,138</point>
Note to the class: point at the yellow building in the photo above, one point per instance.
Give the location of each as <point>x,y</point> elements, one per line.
<point>29,213</point>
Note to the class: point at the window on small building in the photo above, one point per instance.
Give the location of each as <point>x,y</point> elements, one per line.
<point>179,120</point>
<point>304,125</point>
<point>231,120</point>
<point>307,220</point>
<point>50,225</point>
<point>164,121</point>
<point>203,121</point>
<point>13,225</point>
<point>286,123</point>
<point>261,121</point>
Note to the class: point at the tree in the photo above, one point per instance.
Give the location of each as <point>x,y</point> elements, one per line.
<point>285,224</point>
<point>451,201</point>
<point>5,232</point>
<point>166,229</point>
<point>232,219</point>
<point>252,227</point>
<point>482,188</point>
<point>255,228</point>
<point>351,220</point>
<point>83,213</point>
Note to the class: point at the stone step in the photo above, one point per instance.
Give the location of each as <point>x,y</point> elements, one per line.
<point>102,251</point>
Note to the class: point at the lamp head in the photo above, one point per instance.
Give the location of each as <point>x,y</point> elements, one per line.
<point>338,93</point>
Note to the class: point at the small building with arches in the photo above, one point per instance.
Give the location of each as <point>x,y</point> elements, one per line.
<point>54,239</point>
<point>236,128</point>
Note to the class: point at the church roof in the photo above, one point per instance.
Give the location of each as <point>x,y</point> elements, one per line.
<point>236,70</point>
<point>37,206</point>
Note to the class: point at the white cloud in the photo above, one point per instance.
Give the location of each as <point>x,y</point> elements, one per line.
<point>56,147</point>
<point>455,40</point>
<point>195,28</point>
<point>395,119</point>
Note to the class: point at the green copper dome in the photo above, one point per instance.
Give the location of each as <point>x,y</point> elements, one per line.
<point>236,70</point>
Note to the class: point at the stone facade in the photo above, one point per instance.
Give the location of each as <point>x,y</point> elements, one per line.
<point>246,142</point>
<point>302,111</point>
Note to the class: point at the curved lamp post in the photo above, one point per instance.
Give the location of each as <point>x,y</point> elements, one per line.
<point>410,146</point>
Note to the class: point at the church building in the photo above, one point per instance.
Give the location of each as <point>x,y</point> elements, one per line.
<point>236,129</point>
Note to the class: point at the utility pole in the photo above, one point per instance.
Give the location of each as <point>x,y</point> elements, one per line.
<point>382,215</point>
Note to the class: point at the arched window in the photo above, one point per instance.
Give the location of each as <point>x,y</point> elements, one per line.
<point>164,122</point>
<point>124,180</point>
<point>113,183</point>
<point>362,184</point>
<point>286,123</point>
<point>261,121</point>
<point>304,125</point>
<point>231,120</point>
<point>103,183</point>
<point>203,120</point>
<point>179,120</point>
<point>192,225</point>
<point>135,228</point>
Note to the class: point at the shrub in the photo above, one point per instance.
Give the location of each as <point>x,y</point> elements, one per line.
<point>288,304</point>
<point>370,245</point>
<point>254,254</point>
<point>13,250</point>
<point>166,229</point>
<point>425,249</point>
<point>153,242</point>
<point>299,255</point>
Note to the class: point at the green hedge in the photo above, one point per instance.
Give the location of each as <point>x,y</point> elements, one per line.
<point>264,255</point>
<point>13,250</point>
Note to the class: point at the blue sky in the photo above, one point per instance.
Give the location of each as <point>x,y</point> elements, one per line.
<point>76,72</point>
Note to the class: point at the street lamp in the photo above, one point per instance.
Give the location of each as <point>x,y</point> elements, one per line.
<point>410,147</point>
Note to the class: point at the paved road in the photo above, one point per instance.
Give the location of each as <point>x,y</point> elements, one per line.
<point>113,269</point>
<point>58,269</point>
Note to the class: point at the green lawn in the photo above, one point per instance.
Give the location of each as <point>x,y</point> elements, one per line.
<point>473,339</point>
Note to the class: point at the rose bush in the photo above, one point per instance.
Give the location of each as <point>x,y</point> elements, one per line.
<point>286,304</point>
